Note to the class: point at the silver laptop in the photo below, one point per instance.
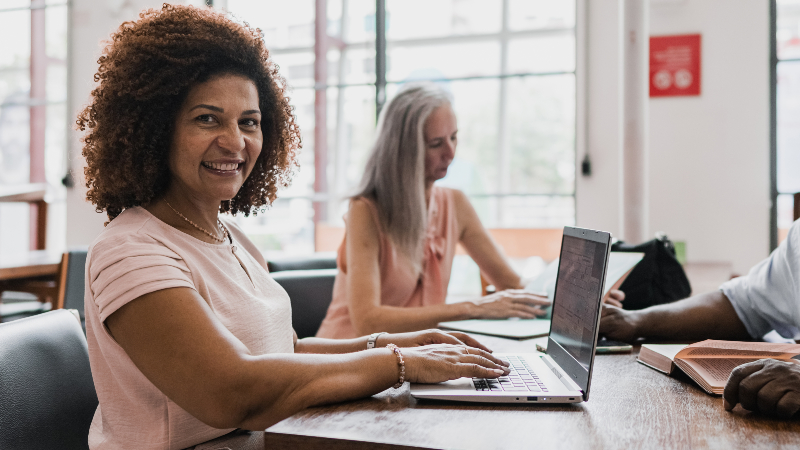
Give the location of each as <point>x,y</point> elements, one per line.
<point>564,373</point>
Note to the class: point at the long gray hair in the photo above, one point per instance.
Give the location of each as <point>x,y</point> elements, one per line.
<point>395,173</point>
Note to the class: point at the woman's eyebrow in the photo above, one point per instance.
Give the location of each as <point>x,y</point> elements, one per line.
<point>251,111</point>
<point>213,108</point>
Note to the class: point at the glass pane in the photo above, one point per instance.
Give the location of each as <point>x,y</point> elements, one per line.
<point>9,4</point>
<point>286,228</point>
<point>56,32</point>
<point>297,68</point>
<point>351,133</point>
<point>293,26</point>
<point>540,211</point>
<point>359,66</point>
<point>303,180</point>
<point>15,27</point>
<point>788,29</point>
<point>438,61</point>
<point>55,147</point>
<point>56,82</point>
<point>785,215</point>
<point>788,126</point>
<point>541,14</point>
<point>360,21</point>
<point>14,228</point>
<point>15,140</point>
<point>14,85</point>
<point>541,134</point>
<point>542,54</point>
<point>414,19</point>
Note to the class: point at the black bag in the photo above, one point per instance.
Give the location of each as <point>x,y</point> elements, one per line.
<point>658,278</point>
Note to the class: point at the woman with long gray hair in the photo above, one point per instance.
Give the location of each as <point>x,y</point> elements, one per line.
<point>395,261</point>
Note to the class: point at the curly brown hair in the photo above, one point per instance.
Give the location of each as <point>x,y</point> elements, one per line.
<point>145,73</point>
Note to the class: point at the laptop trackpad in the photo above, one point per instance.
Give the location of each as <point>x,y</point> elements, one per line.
<point>459,384</point>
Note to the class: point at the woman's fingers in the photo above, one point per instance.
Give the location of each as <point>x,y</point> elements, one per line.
<point>490,359</point>
<point>520,296</point>
<point>468,340</point>
<point>478,371</point>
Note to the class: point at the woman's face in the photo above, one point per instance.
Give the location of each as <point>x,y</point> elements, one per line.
<point>217,138</point>
<point>440,142</point>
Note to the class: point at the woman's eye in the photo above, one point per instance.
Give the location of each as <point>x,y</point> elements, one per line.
<point>435,144</point>
<point>205,118</point>
<point>249,123</point>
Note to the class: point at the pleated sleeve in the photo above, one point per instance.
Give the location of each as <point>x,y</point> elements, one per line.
<point>125,268</point>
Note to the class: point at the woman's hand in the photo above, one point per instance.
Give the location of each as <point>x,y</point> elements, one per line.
<point>768,386</point>
<point>510,303</point>
<point>615,297</point>
<point>429,337</point>
<point>442,362</point>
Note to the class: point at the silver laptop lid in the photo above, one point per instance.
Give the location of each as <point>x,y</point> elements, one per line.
<point>576,303</point>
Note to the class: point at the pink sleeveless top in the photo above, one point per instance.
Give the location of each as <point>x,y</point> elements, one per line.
<point>399,285</point>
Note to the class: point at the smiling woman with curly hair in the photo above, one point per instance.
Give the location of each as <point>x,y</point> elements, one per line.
<point>190,339</point>
<point>145,74</point>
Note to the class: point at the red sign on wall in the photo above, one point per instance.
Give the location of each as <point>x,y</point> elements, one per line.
<point>675,65</point>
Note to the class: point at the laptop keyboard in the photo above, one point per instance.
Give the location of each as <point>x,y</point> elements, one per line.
<point>521,378</point>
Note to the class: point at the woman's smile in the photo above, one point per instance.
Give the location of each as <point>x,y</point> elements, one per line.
<point>223,168</point>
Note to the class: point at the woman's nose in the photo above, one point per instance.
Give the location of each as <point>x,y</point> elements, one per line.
<point>450,149</point>
<point>231,139</point>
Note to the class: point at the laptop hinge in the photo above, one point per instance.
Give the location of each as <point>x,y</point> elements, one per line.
<point>565,379</point>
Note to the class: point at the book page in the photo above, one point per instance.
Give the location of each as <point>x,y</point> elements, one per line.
<point>711,349</point>
<point>620,265</point>
<point>715,371</point>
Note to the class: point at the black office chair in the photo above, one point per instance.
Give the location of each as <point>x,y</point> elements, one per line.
<point>317,261</point>
<point>72,282</point>
<point>310,292</point>
<point>47,396</point>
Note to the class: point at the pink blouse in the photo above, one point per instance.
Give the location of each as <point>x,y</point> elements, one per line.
<point>400,286</point>
<point>138,254</point>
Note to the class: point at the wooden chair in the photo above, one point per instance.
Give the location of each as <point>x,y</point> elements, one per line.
<point>796,206</point>
<point>33,194</point>
<point>71,282</point>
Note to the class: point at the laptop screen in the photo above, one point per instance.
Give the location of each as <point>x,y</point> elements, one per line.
<point>576,303</point>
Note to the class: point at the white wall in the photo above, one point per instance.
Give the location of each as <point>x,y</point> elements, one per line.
<point>91,22</point>
<point>709,155</point>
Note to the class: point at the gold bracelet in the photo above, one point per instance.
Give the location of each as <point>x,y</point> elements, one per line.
<point>401,363</point>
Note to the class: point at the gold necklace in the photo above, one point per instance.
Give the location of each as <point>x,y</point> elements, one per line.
<point>225,235</point>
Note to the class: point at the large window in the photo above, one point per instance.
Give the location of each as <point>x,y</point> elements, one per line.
<point>33,116</point>
<point>787,111</point>
<point>510,65</point>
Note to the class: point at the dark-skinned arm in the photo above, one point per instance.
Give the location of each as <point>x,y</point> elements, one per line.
<point>704,316</point>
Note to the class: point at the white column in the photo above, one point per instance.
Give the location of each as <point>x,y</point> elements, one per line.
<point>635,117</point>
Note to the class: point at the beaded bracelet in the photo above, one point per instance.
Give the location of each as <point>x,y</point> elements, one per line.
<point>401,363</point>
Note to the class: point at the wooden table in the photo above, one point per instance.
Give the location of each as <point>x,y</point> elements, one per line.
<point>34,271</point>
<point>630,406</point>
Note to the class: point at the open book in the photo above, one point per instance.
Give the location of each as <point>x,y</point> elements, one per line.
<point>710,363</point>
<point>620,265</point>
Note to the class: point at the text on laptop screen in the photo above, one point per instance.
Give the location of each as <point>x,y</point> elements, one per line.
<point>575,304</point>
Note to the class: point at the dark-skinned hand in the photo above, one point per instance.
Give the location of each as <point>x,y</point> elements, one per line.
<point>767,386</point>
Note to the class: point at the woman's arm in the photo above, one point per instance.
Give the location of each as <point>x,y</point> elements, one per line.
<point>364,289</point>
<point>175,340</point>
<point>481,247</point>
<point>411,339</point>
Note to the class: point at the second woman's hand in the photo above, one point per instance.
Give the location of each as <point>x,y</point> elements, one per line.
<point>442,362</point>
<point>510,303</point>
